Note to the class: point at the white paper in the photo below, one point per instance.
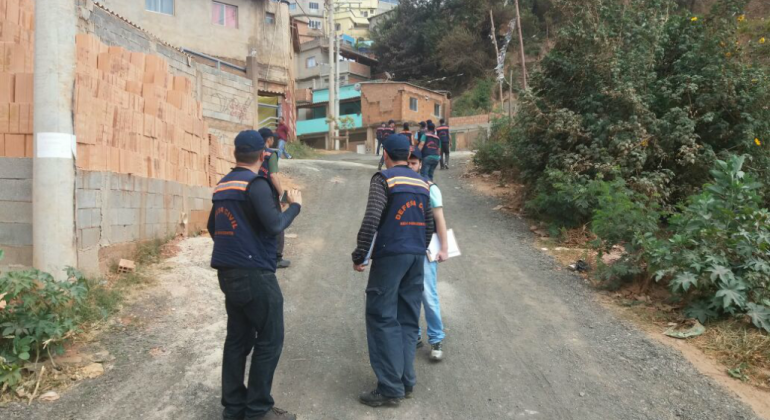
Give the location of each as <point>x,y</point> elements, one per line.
<point>435,246</point>
<point>55,145</point>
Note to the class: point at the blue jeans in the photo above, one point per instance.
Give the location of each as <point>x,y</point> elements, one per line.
<point>429,168</point>
<point>432,306</point>
<point>282,150</point>
<point>392,318</point>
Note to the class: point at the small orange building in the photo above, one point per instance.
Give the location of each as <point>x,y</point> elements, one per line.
<point>402,102</point>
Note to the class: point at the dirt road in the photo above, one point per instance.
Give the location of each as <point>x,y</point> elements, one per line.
<point>524,341</point>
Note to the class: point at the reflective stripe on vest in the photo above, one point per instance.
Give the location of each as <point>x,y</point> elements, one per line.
<point>431,147</point>
<point>402,229</point>
<point>236,243</point>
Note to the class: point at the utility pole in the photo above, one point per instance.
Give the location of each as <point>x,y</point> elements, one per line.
<point>53,184</point>
<point>331,109</point>
<point>337,86</point>
<point>521,47</point>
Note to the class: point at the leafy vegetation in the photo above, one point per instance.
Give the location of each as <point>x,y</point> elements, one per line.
<point>633,110</point>
<point>299,150</point>
<point>446,44</point>
<point>476,100</point>
<point>38,313</point>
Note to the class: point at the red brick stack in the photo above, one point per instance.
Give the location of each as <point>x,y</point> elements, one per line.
<point>17,41</point>
<point>132,116</point>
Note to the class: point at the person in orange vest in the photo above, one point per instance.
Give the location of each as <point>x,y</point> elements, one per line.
<point>386,132</point>
<point>443,134</point>
<point>430,152</point>
<point>380,138</point>
<point>408,134</point>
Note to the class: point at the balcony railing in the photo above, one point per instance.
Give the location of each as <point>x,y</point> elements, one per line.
<point>319,125</point>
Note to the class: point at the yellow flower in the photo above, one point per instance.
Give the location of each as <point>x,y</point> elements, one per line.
<point>645,143</point>
<point>762,40</point>
<point>694,19</point>
<point>741,18</point>
<point>729,54</point>
<point>757,142</point>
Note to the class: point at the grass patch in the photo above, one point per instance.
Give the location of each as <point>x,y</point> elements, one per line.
<point>743,349</point>
<point>299,150</point>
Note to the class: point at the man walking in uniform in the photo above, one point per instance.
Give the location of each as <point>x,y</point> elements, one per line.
<point>430,152</point>
<point>244,223</point>
<point>386,132</point>
<point>399,213</point>
<point>380,132</point>
<point>443,135</point>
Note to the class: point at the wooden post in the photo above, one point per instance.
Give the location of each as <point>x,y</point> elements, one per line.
<point>510,99</point>
<point>497,52</point>
<point>521,48</point>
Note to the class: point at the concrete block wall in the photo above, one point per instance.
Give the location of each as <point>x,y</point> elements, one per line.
<point>114,209</point>
<point>16,211</point>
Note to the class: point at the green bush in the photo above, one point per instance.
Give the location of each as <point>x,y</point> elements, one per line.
<point>620,214</point>
<point>716,251</point>
<point>39,314</point>
<point>645,92</point>
<point>476,100</point>
<point>299,150</point>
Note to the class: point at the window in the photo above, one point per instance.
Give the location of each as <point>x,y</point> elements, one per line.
<point>270,18</point>
<point>160,6</point>
<point>437,110</point>
<point>313,6</point>
<point>310,62</point>
<point>292,6</point>
<point>314,24</point>
<point>224,15</point>
<point>413,104</point>
<point>366,14</point>
<point>337,27</point>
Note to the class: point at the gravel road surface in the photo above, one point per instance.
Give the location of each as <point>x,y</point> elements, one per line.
<point>524,341</point>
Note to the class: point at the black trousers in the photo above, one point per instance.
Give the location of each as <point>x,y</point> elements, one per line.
<point>254,304</point>
<point>379,145</point>
<point>444,155</point>
<point>393,299</point>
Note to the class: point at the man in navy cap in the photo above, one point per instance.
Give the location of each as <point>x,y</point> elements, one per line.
<point>399,213</point>
<point>244,223</point>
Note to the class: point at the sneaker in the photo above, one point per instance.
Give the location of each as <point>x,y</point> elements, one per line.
<point>436,352</point>
<point>275,414</point>
<point>375,399</point>
<point>408,390</point>
<point>420,344</point>
<point>283,263</point>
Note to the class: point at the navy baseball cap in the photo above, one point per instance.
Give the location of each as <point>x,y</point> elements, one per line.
<point>266,133</point>
<point>249,141</point>
<point>397,143</point>
<point>416,153</point>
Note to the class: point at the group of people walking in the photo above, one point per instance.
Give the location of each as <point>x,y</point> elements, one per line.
<point>433,143</point>
<point>403,212</point>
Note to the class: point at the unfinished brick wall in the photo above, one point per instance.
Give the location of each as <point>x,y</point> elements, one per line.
<point>17,40</point>
<point>133,117</point>
<point>470,120</point>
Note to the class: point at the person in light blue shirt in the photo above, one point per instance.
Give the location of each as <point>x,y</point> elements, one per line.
<point>430,299</point>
